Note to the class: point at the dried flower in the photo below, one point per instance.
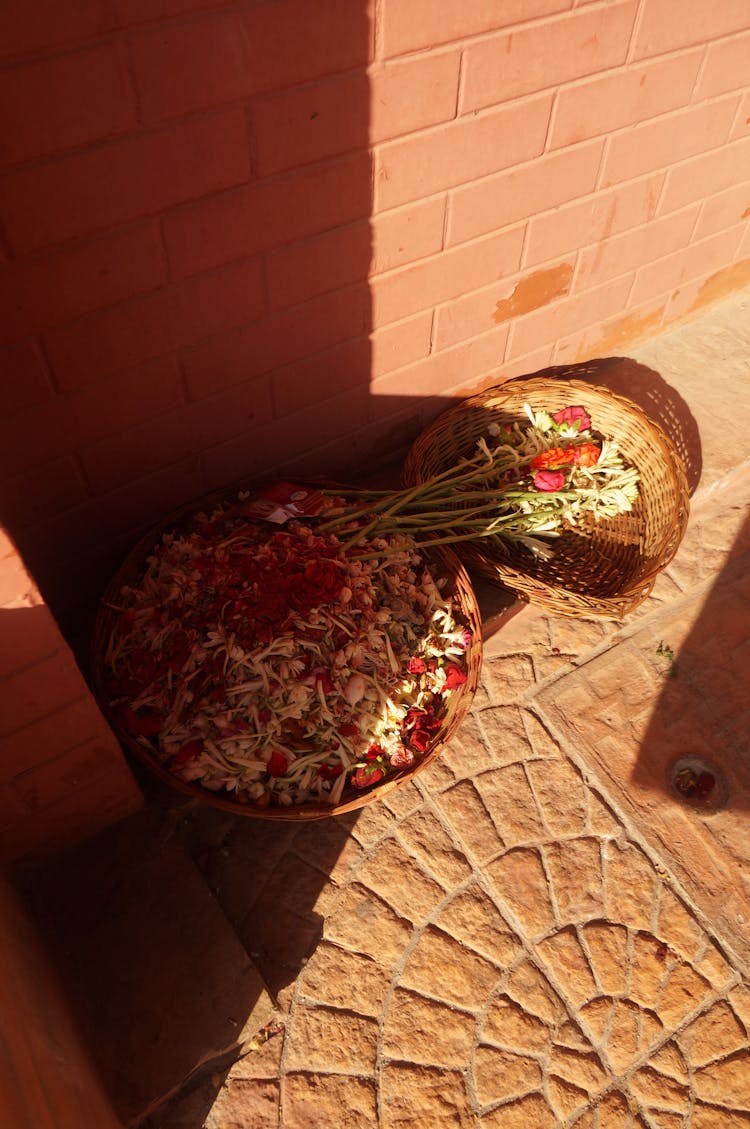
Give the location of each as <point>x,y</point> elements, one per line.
<point>270,663</point>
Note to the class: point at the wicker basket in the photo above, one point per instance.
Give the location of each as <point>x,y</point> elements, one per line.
<point>458,585</point>
<point>605,568</point>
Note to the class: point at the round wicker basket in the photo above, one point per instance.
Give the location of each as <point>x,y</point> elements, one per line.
<point>457,584</point>
<point>605,568</point>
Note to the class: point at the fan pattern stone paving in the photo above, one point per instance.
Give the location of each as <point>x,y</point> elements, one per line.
<point>499,944</point>
<point>497,952</point>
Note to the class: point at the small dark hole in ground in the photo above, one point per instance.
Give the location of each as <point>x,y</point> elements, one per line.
<point>698,784</point>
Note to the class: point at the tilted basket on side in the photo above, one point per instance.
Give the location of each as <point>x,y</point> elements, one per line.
<point>602,568</point>
<point>458,585</point>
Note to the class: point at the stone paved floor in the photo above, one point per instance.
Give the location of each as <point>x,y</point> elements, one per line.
<point>538,933</point>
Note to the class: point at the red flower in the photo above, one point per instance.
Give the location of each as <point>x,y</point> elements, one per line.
<point>454,677</point>
<point>416,666</point>
<point>329,771</point>
<point>277,763</point>
<point>419,738</point>
<point>141,724</point>
<point>320,583</point>
<point>419,729</point>
<point>402,758</point>
<point>549,481</point>
<point>368,774</point>
<point>573,415</point>
<point>587,454</point>
<point>553,458</point>
<point>187,753</point>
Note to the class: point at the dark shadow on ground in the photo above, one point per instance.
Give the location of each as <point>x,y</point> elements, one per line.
<point>270,878</point>
<point>704,708</point>
<point>172,934</point>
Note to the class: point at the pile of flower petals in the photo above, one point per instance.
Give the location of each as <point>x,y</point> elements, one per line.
<point>266,662</point>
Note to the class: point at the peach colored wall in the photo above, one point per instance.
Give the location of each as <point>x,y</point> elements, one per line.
<point>62,774</point>
<point>244,235</point>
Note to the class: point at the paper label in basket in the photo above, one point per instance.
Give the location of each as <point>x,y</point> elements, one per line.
<point>283,501</point>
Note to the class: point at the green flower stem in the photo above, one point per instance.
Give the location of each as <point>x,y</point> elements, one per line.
<point>482,520</point>
<point>417,499</point>
<point>472,500</point>
<point>391,501</point>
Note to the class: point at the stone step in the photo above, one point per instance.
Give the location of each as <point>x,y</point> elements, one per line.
<point>158,981</point>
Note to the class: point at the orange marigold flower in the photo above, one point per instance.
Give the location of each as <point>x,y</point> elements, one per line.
<point>554,457</point>
<point>587,454</point>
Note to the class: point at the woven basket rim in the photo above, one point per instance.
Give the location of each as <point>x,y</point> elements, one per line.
<point>458,584</point>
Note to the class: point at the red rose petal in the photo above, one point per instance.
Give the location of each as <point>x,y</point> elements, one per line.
<point>277,764</point>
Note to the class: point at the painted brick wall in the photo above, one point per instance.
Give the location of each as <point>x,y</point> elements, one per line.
<point>238,236</point>
<point>62,774</point>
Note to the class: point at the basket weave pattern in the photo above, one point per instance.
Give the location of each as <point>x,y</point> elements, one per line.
<point>606,567</point>
<point>445,564</point>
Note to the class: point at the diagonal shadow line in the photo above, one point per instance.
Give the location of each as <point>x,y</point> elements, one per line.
<point>704,709</point>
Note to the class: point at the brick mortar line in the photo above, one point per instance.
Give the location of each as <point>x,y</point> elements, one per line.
<point>507,170</point>
<point>676,164</point>
<point>432,257</point>
<point>470,39</point>
<point>618,70</point>
<point>132,135</point>
<point>634,32</point>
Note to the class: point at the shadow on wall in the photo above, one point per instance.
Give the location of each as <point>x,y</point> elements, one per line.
<point>238,362</point>
<point>253,343</point>
<point>704,708</point>
<point>62,773</point>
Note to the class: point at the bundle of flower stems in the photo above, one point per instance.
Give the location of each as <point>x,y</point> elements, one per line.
<point>526,484</point>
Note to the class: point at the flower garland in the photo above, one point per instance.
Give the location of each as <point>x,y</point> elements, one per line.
<point>271,664</point>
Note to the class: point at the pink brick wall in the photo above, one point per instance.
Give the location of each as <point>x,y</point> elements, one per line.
<point>237,236</point>
<point>62,774</point>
